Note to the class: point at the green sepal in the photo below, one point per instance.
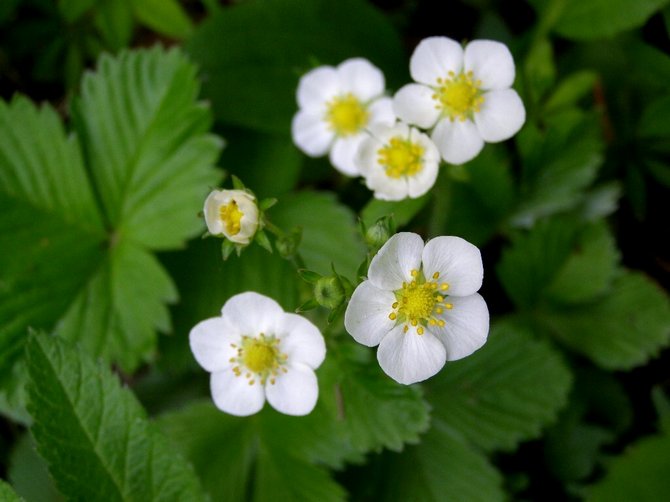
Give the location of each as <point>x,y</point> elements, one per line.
<point>336,313</point>
<point>309,276</point>
<point>266,204</point>
<point>227,248</point>
<point>237,183</point>
<point>310,304</point>
<point>287,244</point>
<point>263,241</point>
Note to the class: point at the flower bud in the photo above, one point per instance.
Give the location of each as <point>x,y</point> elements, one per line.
<point>377,235</point>
<point>232,214</point>
<point>329,292</point>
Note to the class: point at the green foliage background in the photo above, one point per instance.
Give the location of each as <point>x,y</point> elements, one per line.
<point>109,143</point>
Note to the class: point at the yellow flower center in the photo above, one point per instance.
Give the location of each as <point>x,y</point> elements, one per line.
<point>346,115</point>
<point>260,357</point>
<point>231,216</point>
<point>419,302</point>
<point>401,157</point>
<point>459,96</point>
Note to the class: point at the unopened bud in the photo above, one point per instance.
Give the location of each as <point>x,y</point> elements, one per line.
<point>329,292</point>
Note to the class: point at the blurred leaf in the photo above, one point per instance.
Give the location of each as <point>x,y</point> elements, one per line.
<point>114,21</point>
<point>268,164</point>
<point>329,231</point>
<point>7,494</point>
<point>571,89</point>
<point>28,473</point>
<point>639,474</point>
<point>558,164</point>
<point>258,464</point>
<point>601,201</point>
<point>655,120</point>
<point>620,330</point>
<point>403,211</point>
<point>86,424</point>
<point>503,394</point>
<point>206,282</point>
<point>589,19</point>
<point>71,10</point>
<point>147,144</point>
<point>252,54</point>
<point>539,70</point>
<point>589,270</point>
<point>442,467</point>
<point>166,17</point>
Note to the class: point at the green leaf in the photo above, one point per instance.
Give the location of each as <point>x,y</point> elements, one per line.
<point>504,393</point>
<point>28,473</point>
<point>571,89</point>
<point>71,10</point>
<point>442,467</point>
<point>147,144</point>
<point>640,474</point>
<point>585,20</point>
<point>620,330</point>
<point>7,494</point>
<point>252,54</point>
<point>654,122</point>
<point>114,21</point>
<point>167,17</point>
<point>402,211</point>
<point>259,461</point>
<point>329,231</point>
<point>95,435</point>
<point>539,70</point>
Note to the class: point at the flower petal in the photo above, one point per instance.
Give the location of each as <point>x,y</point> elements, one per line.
<point>409,357</point>
<point>434,58</point>
<point>457,141</point>
<point>361,78</point>
<point>386,188</point>
<point>300,340</point>
<point>252,313</point>
<point>367,155</point>
<point>381,112</point>
<point>491,62</point>
<point>414,104</point>
<point>210,343</point>
<point>501,116</point>
<point>367,316</point>
<point>311,133</point>
<point>458,263</point>
<point>393,263</point>
<point>234,395</point>
<point>424,180</point>
<point>316,87</point>
<point>211,211</point>
<point>466,326</point>
<point>294,392</point>
<point>343,154</point>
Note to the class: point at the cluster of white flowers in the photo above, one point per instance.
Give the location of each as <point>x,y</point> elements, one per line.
<point>462,96</point>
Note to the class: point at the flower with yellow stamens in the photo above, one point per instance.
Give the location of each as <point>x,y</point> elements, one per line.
<point>420,305</point>
<point>232,214</point>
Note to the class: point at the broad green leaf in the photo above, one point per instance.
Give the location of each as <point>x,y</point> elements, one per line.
<point>620,330</point>
<point>253,54</point>
<point>7,494</point>
<point>504,393</point>
<point>259,462</point>
<point>147,145</point>
<point>588,19</point>
<point>539,70</point>
<point>655,121</point>
<point>71,10</point>
<point>167,17</point>
<point>94,434</point>
<point>639,474</point>
<point>114,21</point>
<point>206,282</point>
<point>329,231</point>
<point>558,164</point>
<point>28,473</point>
<point>442,467</point>
<point>402,211</point>
<point>571,89</point>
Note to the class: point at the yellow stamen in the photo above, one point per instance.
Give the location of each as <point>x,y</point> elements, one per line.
<point>346,115</point>
<point>401,157</point>
<point>459,96</point>
<point>231,216</point>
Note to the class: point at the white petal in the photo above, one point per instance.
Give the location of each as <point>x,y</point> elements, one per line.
<point>457,141</point>
<point>234,395</point>
<point>434,58</point>
<point>414,103</point>
<point>367,154</point>
<point>424,180</point>
<point>367,315</point>
<point>361,78</point>
<point>393,263</point>
<point>409,357</point>
<point>343,153</point>
<point>491,62</point>
<point>252,313</point>
<point>211,211</point>
<point>300,340</point>
<point>501,116</point>
<point>381,112</point>
<point>311,133</point>
<point>466,326</point>
<point>210,343</point>
<point>294,392</point>
<point>316,87</point>
<point>386,188</point>
<point>458,262</point>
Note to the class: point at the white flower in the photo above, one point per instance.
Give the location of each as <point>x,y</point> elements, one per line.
<point>337,104</point>
<point>420,305</point>
<point>233,214</point>
<point>398,162</point>
<point>464,93</point>
<point>255,351</point>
